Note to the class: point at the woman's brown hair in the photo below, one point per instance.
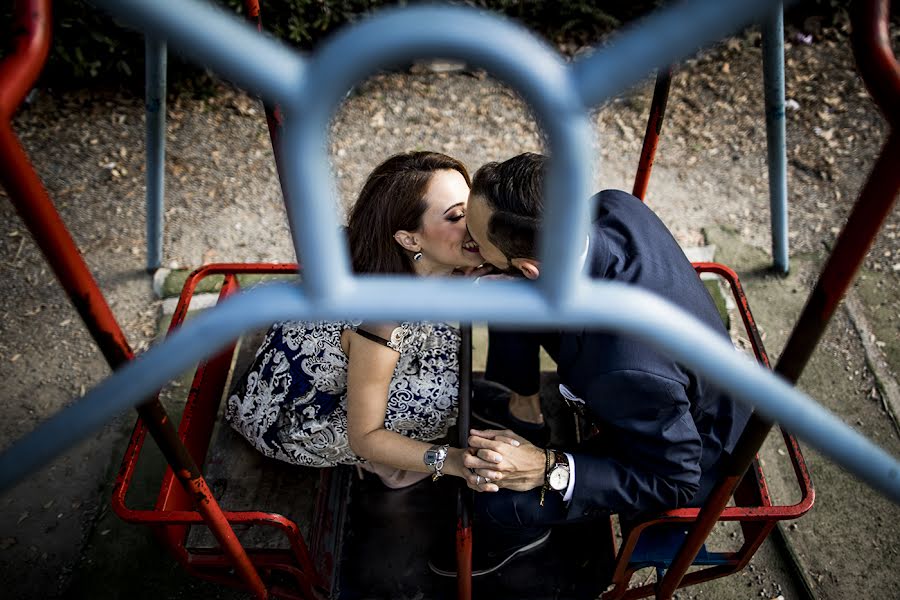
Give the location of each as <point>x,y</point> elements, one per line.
<point>393,198</point>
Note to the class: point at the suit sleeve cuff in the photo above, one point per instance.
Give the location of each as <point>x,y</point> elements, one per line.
<point>570,489</point>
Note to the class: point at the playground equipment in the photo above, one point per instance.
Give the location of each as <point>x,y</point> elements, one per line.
<point>308,90</point>
<point>155,55</point>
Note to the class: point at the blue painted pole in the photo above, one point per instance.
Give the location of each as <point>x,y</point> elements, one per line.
<point>155,108</point>
<point>310,89</point>
<point>773,76</point>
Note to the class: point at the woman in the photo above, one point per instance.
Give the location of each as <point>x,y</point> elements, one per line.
<point>376,395</point>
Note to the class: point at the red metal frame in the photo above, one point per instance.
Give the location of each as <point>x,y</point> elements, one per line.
<point>274,114</point>
<point>654,128</point>
<point>18,72</point>
<point>172,514</point>
<point>881,73</point>
<point>754,509</point>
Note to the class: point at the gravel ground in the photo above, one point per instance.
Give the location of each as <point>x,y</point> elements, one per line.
<point>224,204</point>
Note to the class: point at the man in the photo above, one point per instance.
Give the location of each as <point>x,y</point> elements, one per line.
<point>662,429</point>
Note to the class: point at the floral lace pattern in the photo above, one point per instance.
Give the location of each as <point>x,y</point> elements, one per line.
<point>292,402</point>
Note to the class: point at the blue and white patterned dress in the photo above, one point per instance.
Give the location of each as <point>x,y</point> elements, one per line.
<point>292,403</point>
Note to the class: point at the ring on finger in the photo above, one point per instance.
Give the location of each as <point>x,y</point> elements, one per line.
<point>478,480</point>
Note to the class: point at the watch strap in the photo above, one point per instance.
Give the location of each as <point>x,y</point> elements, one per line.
<point>438,454</point>
<point>560,458</point>
<point>546,485</point>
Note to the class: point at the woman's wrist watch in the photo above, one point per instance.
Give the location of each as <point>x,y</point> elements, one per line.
<point>434,459</point>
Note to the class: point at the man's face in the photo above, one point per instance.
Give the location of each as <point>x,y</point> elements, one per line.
<point>477,219</point>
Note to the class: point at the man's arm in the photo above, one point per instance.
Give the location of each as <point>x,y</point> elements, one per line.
<point>655,461</point>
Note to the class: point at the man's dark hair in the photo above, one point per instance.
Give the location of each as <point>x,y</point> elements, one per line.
<point>514,190</point>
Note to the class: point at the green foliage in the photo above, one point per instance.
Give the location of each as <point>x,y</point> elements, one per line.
<point>89,46</point>
<point>304,22</point>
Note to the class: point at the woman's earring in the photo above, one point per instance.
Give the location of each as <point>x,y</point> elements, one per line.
<point>417,256</point>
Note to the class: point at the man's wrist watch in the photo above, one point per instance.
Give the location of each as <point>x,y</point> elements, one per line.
<point>434,459</point>
<point>558,473</point>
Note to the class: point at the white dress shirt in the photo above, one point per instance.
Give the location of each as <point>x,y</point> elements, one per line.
<point>568,395</point>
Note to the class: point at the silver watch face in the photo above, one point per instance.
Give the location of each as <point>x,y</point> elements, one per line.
<point>435,455</point>
<point>559,478</point>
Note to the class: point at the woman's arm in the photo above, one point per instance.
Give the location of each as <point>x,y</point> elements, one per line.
<point>370,368</point>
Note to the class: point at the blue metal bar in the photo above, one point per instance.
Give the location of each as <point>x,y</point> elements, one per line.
<point>511,52</point>
<point>562,298</point>
<point>155,56</point>
<point>218,39</point>
<point>662,39</point>
<point>773,77</point>
<point>606,305</point>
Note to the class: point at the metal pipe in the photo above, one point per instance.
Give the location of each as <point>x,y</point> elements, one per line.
<point>463,493</point>
<point>547,86</point>
<point>217,39</point>
<point>871,209</point>
<point>654,128</point>
<point>557,94</point>
<point>274,114</point>
<point>875,57</point>
<point>871,47</point>
<point>50,234</point>
<point>662,38</point>
<point>606,305</point>
<point>773,81</point>
<point>29,48</point>
<point>513,54</point>
<point>155,56</point>
<point>31,201</point>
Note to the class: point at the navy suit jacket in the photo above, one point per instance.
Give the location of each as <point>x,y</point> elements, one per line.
<point>663,428</point>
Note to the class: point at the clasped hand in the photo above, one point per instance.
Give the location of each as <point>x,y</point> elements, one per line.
<point>501,459</point>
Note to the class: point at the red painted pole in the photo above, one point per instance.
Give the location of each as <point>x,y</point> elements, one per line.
<point>17,73</point>
<point>654,128</point>
<point>31,44</point>
<point>881,72</point>
<point>274,116</point>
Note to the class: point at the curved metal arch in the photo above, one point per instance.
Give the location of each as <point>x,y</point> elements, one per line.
<point>661,39</point>
<point>508,50</point>
<point>218,39</point>
<point>605,305</point>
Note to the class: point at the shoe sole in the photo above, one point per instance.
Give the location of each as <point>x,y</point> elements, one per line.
<point>527,548</point>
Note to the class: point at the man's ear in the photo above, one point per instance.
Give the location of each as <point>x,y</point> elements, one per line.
<point>530,267</point>
<point>407,240</point>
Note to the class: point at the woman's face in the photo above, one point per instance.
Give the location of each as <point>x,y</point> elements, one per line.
<point>443,236</point>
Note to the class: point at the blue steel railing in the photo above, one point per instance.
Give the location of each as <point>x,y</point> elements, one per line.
<point>156,57</point>
<point>776,147</point>
<point>773,76</point>
<point>309,88</point>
